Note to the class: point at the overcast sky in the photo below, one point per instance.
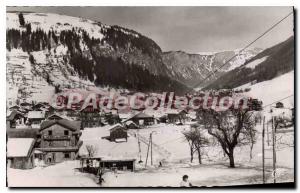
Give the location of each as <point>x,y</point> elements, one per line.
<point>191,29</point>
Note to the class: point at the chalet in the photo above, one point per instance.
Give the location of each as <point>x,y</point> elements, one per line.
<point>90,117</point>
<point>59,140</point>
<point>15,119</point>
<point>20,153</point>
<point>175,116</point>
<point>142,119</point>
<point>35,118</point>
<point>279,105</point>
<point>118,133</point>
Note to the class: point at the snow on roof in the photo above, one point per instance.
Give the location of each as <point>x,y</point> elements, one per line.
<point>19,147</point>
<point>124,115</point>
<point>36,115</point>
<point>172,111</point>
<point>142,115</point>
<point>72,125</point>
<point>129,122</point>
<point>114,126</point>
<point>154,113</point>
<point>105,148</point>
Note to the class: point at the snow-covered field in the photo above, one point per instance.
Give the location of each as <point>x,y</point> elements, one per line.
<point>273,90</point>
<point>169,139</point>
<point>60,175</point>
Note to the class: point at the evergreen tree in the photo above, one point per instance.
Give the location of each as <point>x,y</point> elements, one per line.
<point>21,19</point>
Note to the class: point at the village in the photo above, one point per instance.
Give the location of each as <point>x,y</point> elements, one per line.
<point>87,140</point>
<point>90,104</point>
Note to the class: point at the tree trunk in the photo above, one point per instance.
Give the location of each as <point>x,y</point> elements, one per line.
<point>231,159</point>
<point>192,155</point>
<point>199,155</point>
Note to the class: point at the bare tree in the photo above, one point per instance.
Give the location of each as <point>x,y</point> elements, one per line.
<point>91,149</point>
<point>197,141</point>
<point>231,128</point>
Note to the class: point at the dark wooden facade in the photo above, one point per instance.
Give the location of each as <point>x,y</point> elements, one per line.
<point>59,140</point>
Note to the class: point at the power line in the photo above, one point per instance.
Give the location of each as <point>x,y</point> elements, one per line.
<point>248,45</point>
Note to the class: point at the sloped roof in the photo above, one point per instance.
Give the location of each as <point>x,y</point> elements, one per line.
<point>14,107</point>
<point>115,126</point>
<point>36,115</point>
<point>54,116</point>
<point>72,125</point>
<point>19,147</point>
<point>142,115</point>
<point>22,133</point>
<point>13,114</point>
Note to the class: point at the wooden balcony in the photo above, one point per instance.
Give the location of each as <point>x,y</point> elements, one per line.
<point>56,137</point>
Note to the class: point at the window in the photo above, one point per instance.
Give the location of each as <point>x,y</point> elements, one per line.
<point>66,132</point>
<point>50,132</point>
<point>67,155</point>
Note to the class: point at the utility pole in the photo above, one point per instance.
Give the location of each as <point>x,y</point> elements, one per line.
<point>147,152</point>
<point>274,149</point>
<point>151,149</point>
<point>263,150</point>
<point>268,140</point>
<point>139,143</point>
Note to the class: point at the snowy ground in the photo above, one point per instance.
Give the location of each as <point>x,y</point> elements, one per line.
<point>170,147</point>
<point>59,175</point>
<point>213,172</point>
<point>273,90</point>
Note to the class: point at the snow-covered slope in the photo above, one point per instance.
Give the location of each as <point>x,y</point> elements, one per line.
<point>56,22</point>
<point>192,68</point>
<point>53,51</point>
<point>268,64</point>
<point>273,90</point>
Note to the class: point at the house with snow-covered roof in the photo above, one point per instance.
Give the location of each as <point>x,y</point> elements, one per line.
<point>35,118</point>
<point>20,153</point>
<point>142,118</point>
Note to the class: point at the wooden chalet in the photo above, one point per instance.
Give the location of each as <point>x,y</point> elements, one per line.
<point>90,117</point>
<point>118,133</point>
<point>142,119</point>
<point>59,140</point>
<point>175,116</point>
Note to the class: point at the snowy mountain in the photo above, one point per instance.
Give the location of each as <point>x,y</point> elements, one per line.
<point>192,68</point>
<point>267,65</point>
<point>53,52</point>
